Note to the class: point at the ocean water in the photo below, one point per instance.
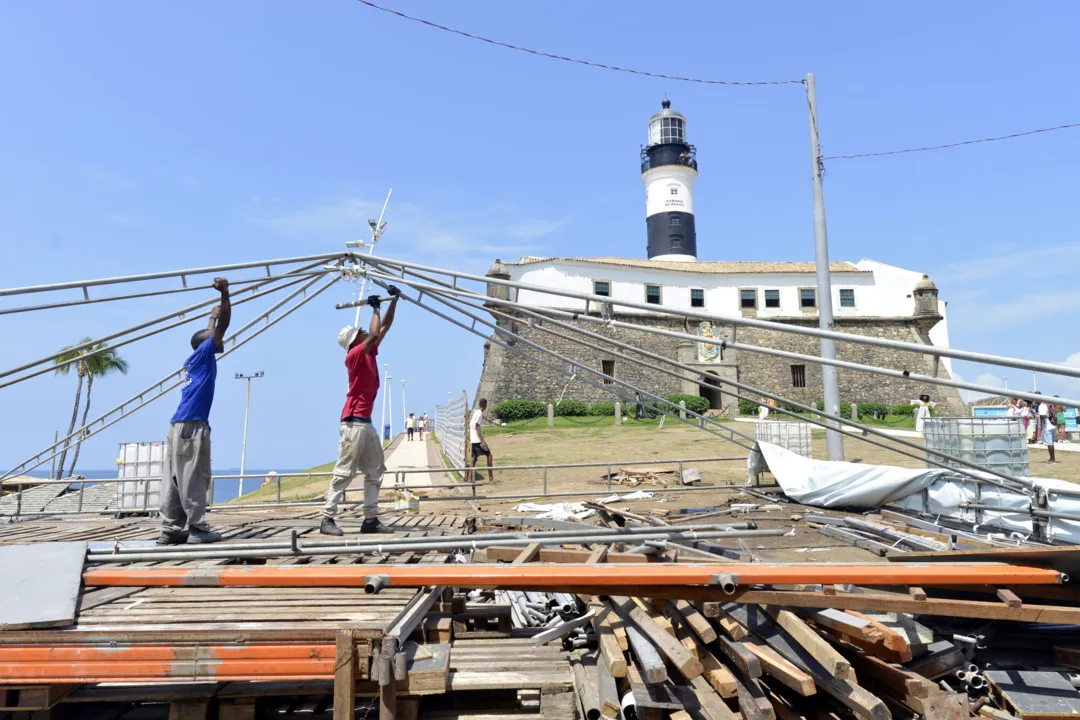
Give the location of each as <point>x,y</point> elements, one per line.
<point>224,490</point>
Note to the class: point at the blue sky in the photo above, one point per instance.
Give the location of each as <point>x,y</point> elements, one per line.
<point>144,136</point>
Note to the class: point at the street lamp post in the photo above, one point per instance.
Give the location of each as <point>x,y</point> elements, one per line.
<point>390,405</point>
<point>247,406</point>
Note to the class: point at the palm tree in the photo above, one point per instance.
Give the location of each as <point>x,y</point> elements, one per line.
<point>99,360</point>
<point>65,365</point>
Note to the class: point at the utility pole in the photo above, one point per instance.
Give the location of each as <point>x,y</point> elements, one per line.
<point>247,406</point>
<point>404,408</point>
<point>386,386</point>
<point>390,400</point>
<point>830,381</point>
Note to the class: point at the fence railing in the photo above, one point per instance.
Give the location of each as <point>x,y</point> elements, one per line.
<point>450,422</point>
<point>12,505</point>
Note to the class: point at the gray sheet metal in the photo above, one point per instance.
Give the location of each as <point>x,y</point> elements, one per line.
<point>39,584</point>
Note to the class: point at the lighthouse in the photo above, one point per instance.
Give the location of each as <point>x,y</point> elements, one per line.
<point>669,168</point>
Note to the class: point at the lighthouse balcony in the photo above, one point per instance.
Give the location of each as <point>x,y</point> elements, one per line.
<point>668,154</point>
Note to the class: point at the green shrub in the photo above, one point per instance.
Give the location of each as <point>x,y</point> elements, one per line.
<point>903,409</point>
<point>747,407</point>
<point>694,403</point>
<point>602,408</point>
<point>845,408</point>
<point>878,410</point>
<point>571,408</point>
<point>511,410</point>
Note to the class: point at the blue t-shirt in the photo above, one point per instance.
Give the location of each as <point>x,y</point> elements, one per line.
<point>197,395</point>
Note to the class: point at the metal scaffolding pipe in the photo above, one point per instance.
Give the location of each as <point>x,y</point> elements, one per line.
<point>577,366</point>
<point>416,540</point>
<point>151,293</point>
<point>547,313</point>
<point>448,544</point>
<point>629,575</point>
<point>79,284</point>
<point>181,314</point>
<point>37,460</point>
<point>600,301</point>
<point>436,293</point>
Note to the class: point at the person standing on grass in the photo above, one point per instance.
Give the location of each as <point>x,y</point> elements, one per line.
<point>360,450</point>
<point>1048,427</point>
<point>922,413</point>
<point>185,470</point>
<point>479,445</point>
<point>410,426</point>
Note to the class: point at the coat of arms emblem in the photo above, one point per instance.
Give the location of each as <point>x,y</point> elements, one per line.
<point>708,351</point>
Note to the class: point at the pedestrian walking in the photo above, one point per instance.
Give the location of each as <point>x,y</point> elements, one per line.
<point>479,444</point>
<point>1048,427</point>
<point>423,425</point>
<point>410,426</point>
<point>922,413</point>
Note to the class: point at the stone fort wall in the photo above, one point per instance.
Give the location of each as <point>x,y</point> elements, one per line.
<point>508,375</point>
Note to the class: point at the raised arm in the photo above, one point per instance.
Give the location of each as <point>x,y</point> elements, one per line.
<point>375,327</point>
<point>389,319</point>
<point>219,322</point>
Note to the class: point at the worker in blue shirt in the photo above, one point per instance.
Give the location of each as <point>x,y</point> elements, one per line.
<point>185,472</point>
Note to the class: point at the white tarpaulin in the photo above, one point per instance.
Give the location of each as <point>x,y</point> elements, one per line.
<point>823,483</point>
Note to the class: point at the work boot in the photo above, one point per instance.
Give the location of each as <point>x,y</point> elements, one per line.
<point>329,527</point>
<point>204,536</point>
<point>172,537</point>
<point>372,525</point>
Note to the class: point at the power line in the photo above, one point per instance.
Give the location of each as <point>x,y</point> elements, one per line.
<point>952,145</point>
<point>553,56</point>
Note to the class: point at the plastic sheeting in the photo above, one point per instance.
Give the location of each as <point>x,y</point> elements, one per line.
<point>934,491</point>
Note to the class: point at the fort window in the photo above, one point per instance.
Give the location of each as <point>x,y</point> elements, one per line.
<point>772,298</point>
<point>697,298</point>
<point>652,294</point>
<point>798,376</point>
<point>847,297</point>
<point>601,287</point>
<point>608,368</point>
<point>807,298</point>
<point>748,299</point>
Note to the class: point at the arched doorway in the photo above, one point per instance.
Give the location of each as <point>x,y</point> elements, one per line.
<point>711,392</point>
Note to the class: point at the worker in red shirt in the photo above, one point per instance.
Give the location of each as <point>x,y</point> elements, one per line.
<point>360,449</point>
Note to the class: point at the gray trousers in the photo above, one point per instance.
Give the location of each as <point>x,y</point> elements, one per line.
<point>360,451</point>
<point>185,476</point>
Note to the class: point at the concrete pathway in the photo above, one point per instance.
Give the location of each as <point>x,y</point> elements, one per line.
<point>414,455</point>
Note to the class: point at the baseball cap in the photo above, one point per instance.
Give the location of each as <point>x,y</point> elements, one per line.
<point>347,335</point>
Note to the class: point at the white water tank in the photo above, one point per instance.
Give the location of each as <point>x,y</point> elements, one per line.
<point>793,436</point>
<point>997,443</point>
<point>136,462</point>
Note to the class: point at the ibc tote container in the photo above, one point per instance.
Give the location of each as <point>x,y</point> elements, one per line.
<point>793,436</point>
<point>139,461</point>
<point>995,443</point>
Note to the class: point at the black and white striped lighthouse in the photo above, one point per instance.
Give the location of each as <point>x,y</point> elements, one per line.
<point>669,168</point>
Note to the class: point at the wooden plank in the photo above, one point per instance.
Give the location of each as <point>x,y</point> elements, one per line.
<point>843,622</point>
<point>917,593</point>
<point>1010,598</point>
<point>833,662</point>
<point>712,706</point>
<point>527,554</point>
<point>775,666</point>
<point>597,555</point>
<point>697,622</point>
<point>741,657</point>
<point>41,584</point>
<point>676,654</point>
<point>344,674</point>
<point>728,625</point>
<point>715,674</point>
<point>855,698</point>
<point>879,602</point>
<point>612,654</point>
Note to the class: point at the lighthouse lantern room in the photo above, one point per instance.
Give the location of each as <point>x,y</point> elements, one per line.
<point>669,168</point>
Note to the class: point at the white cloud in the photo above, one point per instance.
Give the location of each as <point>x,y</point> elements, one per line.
<point>1037,261</point>
<point>411,230</point>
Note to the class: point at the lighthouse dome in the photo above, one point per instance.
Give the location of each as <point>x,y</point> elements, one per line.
<point>667,126</point>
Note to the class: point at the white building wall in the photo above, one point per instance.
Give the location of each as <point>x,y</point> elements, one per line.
<point>881,291</point>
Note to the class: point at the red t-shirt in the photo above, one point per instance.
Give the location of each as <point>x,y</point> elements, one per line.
<point>363,381</point>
